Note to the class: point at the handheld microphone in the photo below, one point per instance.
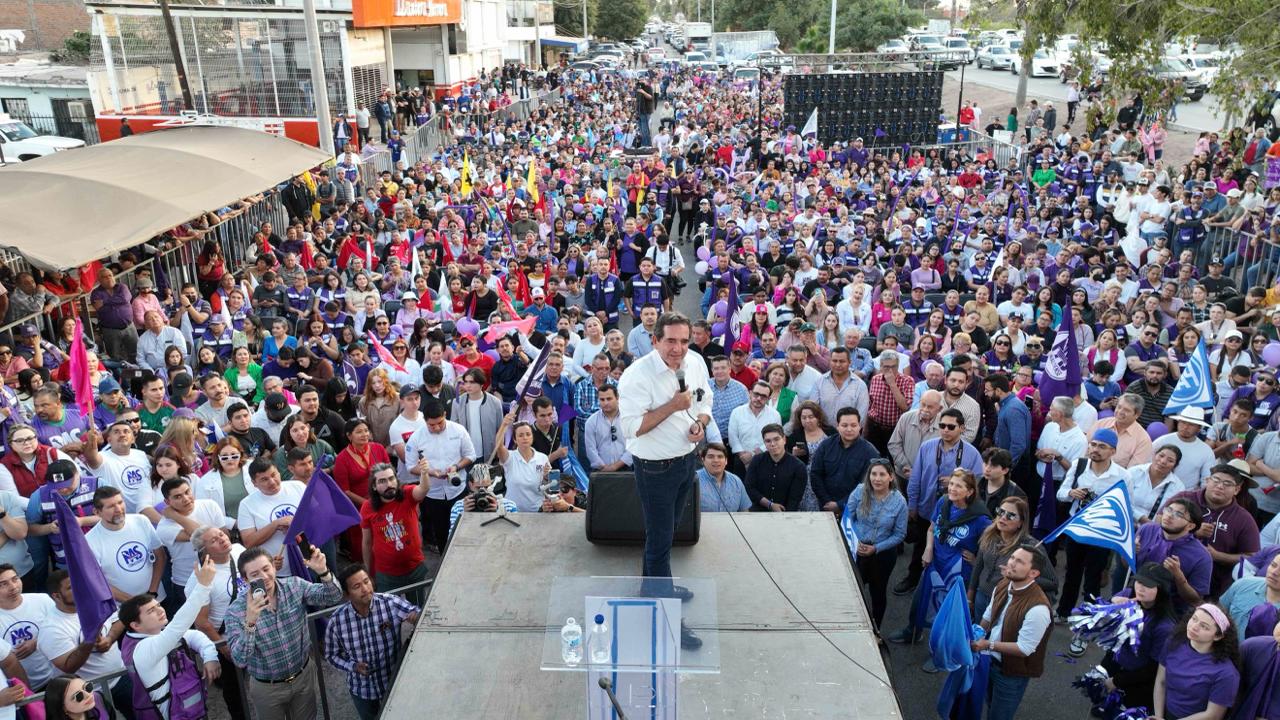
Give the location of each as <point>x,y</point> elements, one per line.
<point>607,687</point>
<point>680,379</point>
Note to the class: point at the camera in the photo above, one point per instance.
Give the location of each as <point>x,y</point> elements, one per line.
<point>455,480</point>
<point>484,501</point>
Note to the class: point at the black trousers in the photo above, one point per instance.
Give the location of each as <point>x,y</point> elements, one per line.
<point>918,533</point>
<point>1086,565</point>
<point>435,520</point>
<point>878,435</point>
<point>875,571</point>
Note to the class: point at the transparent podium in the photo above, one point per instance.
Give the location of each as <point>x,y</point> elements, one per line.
<point>639,656</point>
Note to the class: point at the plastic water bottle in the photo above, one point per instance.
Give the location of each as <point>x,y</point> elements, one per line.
<point>571,643</point>
<point>600,643</point>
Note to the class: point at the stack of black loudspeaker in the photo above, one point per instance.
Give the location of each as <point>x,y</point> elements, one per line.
<point>882,108</point>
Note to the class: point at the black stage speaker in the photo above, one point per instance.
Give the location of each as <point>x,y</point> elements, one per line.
<point>614,516</point>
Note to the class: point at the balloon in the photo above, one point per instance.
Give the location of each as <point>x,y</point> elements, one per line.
<point>493,354</point>
<point>717,329</point>
<point>467,326</point>
<point>1106,414</point>
<point>1271,354</point>
<point>722,308</point>
<point>704,253</point>
<point>577,208</point>
<point>700,267</point>
<point>1156,429</point>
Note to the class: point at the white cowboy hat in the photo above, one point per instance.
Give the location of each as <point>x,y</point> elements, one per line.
<point>1190,414</point>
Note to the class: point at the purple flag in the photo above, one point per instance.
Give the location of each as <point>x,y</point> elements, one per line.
<point>732,307</point>
<point>324,513</point>
<point>94,603</point>
<point>1046,519</point>
<point>1062,364</point>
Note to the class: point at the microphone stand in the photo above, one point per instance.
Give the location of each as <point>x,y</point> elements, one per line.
<point>607,687</point>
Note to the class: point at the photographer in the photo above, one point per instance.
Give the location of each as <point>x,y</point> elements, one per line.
<point>274,647</point>
<point>439,456</point>
<point>479,497</point>
<point>1082,483</point>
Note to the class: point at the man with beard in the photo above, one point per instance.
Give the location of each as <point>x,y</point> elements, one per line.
<point>1018,625</point>
<point>392,538</point>
<point>325,423</point>
<point>1172,542</point>
<point>955,396</point>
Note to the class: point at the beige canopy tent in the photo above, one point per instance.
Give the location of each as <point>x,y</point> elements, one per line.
<point>66,209</point>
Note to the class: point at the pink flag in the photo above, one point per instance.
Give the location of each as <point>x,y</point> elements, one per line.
<point>81,373</point>
<point>497,330</point>
<point>506,300</point>
<point>384,354</point>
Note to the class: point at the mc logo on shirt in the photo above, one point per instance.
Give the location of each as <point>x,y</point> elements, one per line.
<point>133,477</point>
<point>281,511</point>
<point>132,556</point>
<point>21,632</point>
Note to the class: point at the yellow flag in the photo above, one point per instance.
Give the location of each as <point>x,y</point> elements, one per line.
<point>609,185</point>
<point>466,175</point>
<point>531,182</point>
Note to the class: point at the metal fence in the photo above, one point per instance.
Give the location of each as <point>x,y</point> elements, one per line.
<point>80,128</point>
<point>317,656</point>
<point>969,143</point>
<point>176,264</point>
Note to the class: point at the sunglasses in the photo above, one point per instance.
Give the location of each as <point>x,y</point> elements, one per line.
<point>1007,514</point>
<point>83,694</point>
<point>948,426</point>
<point>229,458</point>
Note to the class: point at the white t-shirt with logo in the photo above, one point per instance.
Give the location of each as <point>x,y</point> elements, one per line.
<point>24,623</point>
<point>223,588</point>
<point>398,434</point>
<point>259,510</point>
<point>8,712</point>
<point>181,554</point>
<point>127,555</point>
<point>60,635</point>
<point>132,474</point>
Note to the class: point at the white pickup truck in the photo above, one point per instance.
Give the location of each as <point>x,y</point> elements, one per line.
<point>19,143</point>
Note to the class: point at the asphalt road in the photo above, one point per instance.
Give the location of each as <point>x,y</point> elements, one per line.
<point>1206,114</point>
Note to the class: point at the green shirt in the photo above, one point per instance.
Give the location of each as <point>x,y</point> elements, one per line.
<point>155,420</point>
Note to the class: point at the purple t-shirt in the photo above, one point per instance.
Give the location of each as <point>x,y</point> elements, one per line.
<point>1234,531</point>
<point>1196,562</point>
<point>1255,654</point>
<point>1264,408</point>
<point>1192,680</point>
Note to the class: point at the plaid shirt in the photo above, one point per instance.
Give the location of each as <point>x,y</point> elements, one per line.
<point>279,645</point>
<point>586,398</point>
<point>883,408</point>
<point>372,640</point>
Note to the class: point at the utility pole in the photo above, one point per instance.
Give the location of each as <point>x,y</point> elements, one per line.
<point>319,88</point>
<point>831,34</point>
<point>584,19</point>
<point>537,35</point>
<point>188,101</point>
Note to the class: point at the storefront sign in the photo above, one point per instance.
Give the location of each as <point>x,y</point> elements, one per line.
<point>405,13</point>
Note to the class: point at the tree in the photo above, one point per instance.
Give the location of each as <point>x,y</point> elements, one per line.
<point>568,16</point>
<point>621,19</point>
<point>861,25</point>
<point>75,49</point>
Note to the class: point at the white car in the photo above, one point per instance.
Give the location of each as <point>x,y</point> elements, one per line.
<point>19,143</point>
<point>893,46</point>
<point>693,56</point>
<point>1207,65</point>
<point>996,57</point>
<point>1042,65</point>
<point>959,45</point>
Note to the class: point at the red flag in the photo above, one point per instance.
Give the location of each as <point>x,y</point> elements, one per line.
<point>384,354</point>
<point>506,302</point>
<point>81,373</point>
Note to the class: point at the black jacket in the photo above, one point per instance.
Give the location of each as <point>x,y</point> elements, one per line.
<point>781,482</point>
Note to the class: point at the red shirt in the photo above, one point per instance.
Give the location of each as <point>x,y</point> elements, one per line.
<point>351,473</point>
<point>397,540</point>
<point>746,376</point>
<point>482,361</point>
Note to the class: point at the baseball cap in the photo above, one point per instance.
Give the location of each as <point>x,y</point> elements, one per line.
<point>538,292</point>
<point>409,295</point>
<point>1234,193</point>
<point>1106,435</point>
<point>808,327</point>
<point>409,389</point>
<point>180,385</point>
<point>29,330</point>
<point>108,385</point>
<point>1155,575</point>
<point>60,472</point>
<point>277,407</point>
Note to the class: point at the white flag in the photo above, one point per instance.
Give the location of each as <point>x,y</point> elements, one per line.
<point>810,125</point>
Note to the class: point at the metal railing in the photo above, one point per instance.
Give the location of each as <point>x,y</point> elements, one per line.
<point>85,129</point>
<point>102,682</point>
<point>176,265</point>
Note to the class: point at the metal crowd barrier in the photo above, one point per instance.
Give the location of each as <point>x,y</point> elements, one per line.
<point>177,264</point>
<point>317,656</point>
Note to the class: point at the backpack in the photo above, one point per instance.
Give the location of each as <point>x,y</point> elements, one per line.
<point>187,695</point>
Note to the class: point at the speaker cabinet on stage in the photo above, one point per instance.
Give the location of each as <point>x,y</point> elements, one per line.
<point>614,516</point>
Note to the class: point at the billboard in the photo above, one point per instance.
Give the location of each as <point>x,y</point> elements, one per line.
<point>404,13</point>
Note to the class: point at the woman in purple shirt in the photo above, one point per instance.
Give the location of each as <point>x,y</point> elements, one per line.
<point>1198,676</point>
<point>1260,668</point>
<point>1133,667</point>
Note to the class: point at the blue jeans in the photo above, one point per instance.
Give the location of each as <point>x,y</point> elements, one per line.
<point>663,485</point>
<point>643,137</point>
<point>1004,694</point>
<point>366,709</point>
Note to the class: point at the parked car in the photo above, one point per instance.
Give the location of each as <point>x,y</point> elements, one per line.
<point>894,47</point>
<point>1266,114</point>
<point>996,57</point>
<point>1042,65</point>
<point>20,143</point>
<point>1170,69</point>
<point>960,45</point>
<point>1207,65</point>
<point>1099,69</point>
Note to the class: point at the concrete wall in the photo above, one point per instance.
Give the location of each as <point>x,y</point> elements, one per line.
<point>39,99</point>
<point>46,22</point>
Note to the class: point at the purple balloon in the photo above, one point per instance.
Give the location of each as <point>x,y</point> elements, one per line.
<point>467,326</point>
<point>722,308</point>
<point>704,253</point>
<point>717,329</point>
<point>493,354</point>
<point>1271,354</point>
<point>577,208</point>
<point>1156,429</point>
<point>1106,414</point>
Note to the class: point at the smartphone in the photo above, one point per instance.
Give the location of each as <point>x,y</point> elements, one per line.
<point>258,588</point>
<point>305,546</point>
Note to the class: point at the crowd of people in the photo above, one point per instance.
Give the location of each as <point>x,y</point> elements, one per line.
<point>873,327</point>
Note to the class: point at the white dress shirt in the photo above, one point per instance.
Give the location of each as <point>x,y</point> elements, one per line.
<point>449,447</point>
<point>604,441</point>
<point>647,384</point>
<point>1145,499</point>
<point>745,427</point>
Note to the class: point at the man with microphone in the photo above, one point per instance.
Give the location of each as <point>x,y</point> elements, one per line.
<point>664,404</point>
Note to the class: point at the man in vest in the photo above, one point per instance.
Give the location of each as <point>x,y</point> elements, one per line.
<point>602,293</point>
<point>62,477</point>
<point>168,684</point>
<point>1018,623</point>
<point>646,288</point>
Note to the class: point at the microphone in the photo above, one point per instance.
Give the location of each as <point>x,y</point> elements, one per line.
<point>680,379</point>
<point>607,687</point>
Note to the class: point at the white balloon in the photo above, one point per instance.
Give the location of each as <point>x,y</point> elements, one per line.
<point>701,267</point>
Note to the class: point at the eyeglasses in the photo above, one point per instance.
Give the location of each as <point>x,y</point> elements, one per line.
<point>1223,481</point>
<point>1174,513</point>
<point>23,439</point>
<point>382,322</point>
<point>83,694</point>
<point>1007,514</point>
<point>763,396</point>
<point>948,426</point>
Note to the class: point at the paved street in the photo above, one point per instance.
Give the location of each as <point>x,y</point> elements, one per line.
<point>1197,116</point>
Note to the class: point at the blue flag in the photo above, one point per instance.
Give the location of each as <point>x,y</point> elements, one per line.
<point>571,466</point>
<point>1195,385</point>
<point>1106,522</point>
<point>950,645</point>
<point>1062,364</point>
<point>1047,512</point>
<point>933,588</point>
<point>323,513</point>
<point>94,602</point>
<point>846,527</point>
